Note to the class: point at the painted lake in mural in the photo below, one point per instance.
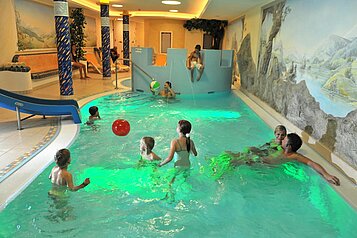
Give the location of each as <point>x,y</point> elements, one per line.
<point>324,53</point>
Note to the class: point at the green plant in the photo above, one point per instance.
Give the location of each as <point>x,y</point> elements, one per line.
<point>215,28</point>
<point>78,22</point>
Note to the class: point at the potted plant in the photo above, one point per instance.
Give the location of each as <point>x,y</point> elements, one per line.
<point>215,28</point>
<point>77,26</point>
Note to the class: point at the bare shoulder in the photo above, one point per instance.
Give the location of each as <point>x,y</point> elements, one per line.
<point>66,174</point>
<point>299,157</point>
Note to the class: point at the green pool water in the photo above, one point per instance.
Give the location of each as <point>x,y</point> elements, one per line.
<point>128,199</point>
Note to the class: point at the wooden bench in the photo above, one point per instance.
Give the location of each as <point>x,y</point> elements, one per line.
<point>41,64</point>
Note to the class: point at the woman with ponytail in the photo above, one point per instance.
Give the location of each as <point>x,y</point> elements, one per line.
<point>183,146</point>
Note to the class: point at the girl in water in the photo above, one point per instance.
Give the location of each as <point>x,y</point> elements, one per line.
<point>182,146</point>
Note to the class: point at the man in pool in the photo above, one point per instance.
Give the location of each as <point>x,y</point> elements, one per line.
<point>290,144</point>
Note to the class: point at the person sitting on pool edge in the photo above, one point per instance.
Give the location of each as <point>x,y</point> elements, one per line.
<point>290,144</point>
<point>195,61</point>
<point>168,92</point>
<point>60,176</point>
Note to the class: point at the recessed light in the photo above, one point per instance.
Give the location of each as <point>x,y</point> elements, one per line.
<point>173,10</point>
<point>171,2</point>
<point>117,5</point>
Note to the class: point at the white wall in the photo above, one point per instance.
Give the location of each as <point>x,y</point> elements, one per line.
<point>252,24</point>
<point>233,35</point>
<point>193,38</point>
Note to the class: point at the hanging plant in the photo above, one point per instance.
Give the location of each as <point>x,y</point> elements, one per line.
<point>215,28</point>
<point>78,22</point>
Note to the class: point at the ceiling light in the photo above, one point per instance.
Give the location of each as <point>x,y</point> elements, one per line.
<point>171,2</point>
<point>117,5</point>
<point>173,10</point>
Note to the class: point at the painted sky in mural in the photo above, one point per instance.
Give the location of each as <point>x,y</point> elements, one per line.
<point>318,43</point>
<point>34,32</point>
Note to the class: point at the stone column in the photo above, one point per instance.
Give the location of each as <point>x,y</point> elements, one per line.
<point>63,47</point>
<point>104,14</point>
<point>126,41</point>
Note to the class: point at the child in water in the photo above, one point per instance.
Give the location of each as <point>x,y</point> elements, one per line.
<point>60,176</point>
<point>183,146</point>
<point>168,92</point>
<point>228,160</point>
<point>94,115</point>
<point>269,147</point>
<point>146,146</point>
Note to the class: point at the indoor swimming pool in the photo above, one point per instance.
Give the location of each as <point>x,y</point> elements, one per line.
<point>127,198</point>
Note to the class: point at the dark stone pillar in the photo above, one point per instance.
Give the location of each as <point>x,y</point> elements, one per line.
<point>104,14</point>
<point>63,47</point>
<point>126,41</point>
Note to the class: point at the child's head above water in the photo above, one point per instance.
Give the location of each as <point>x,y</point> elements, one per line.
<point>93,111</point>
<point>184,127</point>
<point>279,133</point>
<point>63,158</point>
<point>146,145</point>
<point>168,84</point>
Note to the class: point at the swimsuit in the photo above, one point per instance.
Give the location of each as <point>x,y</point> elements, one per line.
<point>182,157</point>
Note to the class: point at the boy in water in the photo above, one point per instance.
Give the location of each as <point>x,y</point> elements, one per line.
<point>268,148</point>
<point>60,176</point>
<point>146,146</point>
<point>94,115</point>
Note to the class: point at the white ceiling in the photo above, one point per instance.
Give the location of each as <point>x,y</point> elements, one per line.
<point>209,9</point>
<point>230,9</point>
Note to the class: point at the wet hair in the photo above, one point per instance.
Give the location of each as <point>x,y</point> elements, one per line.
<point>62,157</point>
<point>294,141</point>
<point>185,128</point>
<point>170,85</point>
<point>149,142</point>
<point>93,110</point>
<point>198,47</point>
<point>280,128</point>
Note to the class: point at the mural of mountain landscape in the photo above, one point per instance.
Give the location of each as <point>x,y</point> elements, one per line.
<point>34,32</point>
<point>324,53</point>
